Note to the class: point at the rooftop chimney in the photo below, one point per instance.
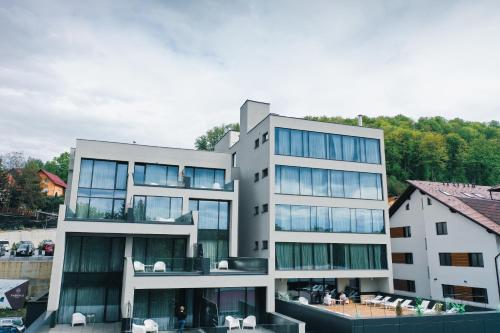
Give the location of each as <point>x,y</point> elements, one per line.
<point>360,120</point>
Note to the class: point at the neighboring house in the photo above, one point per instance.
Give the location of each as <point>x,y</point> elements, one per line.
<point>446,243</point>
<point>314,201</point>
<point>51,184</point>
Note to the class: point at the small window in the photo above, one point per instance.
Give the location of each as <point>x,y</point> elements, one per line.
<point>409,258</point>
<point>441,228</point>
<point>265,173</point>
<point>407,232</point>
<point>476,260</point>
<point>256,144</point>
<point>233,160</point>
<point>265,245</point>
<point>429,201</point>
<point>445,259</point>
<point>265,137</point>
<point>256,210</point>
<point>407,206</point>
<point>265,208</point>
<point>256,246</point>
<point>256,177</point>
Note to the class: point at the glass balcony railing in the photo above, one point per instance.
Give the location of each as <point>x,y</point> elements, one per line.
<point>200,266</point>
<point>185,182</point>
<point>129,217</point>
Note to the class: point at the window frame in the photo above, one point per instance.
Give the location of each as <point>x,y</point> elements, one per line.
<point>441,228</point>
<point>256,143</point>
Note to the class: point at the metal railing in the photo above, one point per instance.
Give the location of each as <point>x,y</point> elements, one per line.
<point>185,182</point>
<point>201,266</point>
<point>134,217</point>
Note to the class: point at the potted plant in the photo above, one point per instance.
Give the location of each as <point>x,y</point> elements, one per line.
<point>40,248</point>
<point>418,307</point>
<point>399,309</point>
<point>438,307</point>
<point>13,249</point>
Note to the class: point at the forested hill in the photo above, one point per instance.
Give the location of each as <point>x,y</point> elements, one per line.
<point>433,148</point>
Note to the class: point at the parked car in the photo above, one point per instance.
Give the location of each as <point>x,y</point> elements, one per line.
<point>48,246</point>
<point>5,244</point>
<point>12,325</point>
<point>25,248</point>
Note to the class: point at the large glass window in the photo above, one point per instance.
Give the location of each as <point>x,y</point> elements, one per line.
<point>161,209</point>
<point>328,219</point>
<point>291,142</point>
<point>305,256</point>
<point>328,183</point>
<point>153,249</point>
<point>92,278</point>
<point>101,190</point>
<point>205,178</point>
<point>213,227</point>
<point>156,174</point>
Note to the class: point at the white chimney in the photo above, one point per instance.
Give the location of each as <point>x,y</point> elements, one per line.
<point>360,120</point>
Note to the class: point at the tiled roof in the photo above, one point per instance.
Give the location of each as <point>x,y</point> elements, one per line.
<point>54,178</point>
<point>456,197</point>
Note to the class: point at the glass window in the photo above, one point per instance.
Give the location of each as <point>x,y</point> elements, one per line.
<point>290,180</point>
<point>441,228</point>
<point>378,221</point>
<point>86,167</point>
<point>369,185</point>
<point>363,221</point>
<point>350,147</point>
<point>103,175</point>
<point>282,145</point>
<point>322,219</point>
<point>301,217</point>
<point>337,184</point>
<point>320,182</point>
<point>205,177</point>
<point>335,147</point>
<point>283,217</point>
<point>351,185</point>
<point>296,148</point>
<point>372,150</point>
<point>341,220</point>
<point>317,145</point>
<point>306,187</point>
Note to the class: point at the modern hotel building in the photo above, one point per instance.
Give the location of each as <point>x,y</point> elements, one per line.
<point>313,202</point>
<point>293,207</point>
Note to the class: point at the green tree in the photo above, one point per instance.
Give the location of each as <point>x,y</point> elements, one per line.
<point>457,153</point>
<point>208,140</point>
<point>59,166</point>
<point>26,190</point>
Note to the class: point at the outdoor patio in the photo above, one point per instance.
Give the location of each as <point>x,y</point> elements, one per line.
<point>357,310</point>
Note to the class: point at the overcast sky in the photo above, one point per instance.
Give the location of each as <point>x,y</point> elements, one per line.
<point>162,72</point>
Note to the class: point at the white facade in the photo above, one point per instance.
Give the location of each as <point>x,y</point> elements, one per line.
<point>131,282</point>
<point>463,236</point>
<point>256,121</point>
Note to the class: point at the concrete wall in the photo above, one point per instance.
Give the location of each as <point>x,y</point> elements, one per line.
<point>37,272</point>
<point>34,235</point>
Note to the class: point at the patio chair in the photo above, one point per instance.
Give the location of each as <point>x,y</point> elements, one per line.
<point>138,328</point>
<point>150,325</point>
<point>393,304</point>
<point>303,300</point>
<point>425,305</point>
<point>159,266</point>
<point>381,301</point>
<point>378,297</point>
<point>249,321</point>
<point>139,266</point>
<point>433,310</point>
<point>223,264</point>
<point>78,318</point>
<point>406,304</point>
<point>216,186</point>
<point>231,322</point>
<point>328,300</point>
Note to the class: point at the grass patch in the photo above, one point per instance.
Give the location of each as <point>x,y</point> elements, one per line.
<point>13,313</point>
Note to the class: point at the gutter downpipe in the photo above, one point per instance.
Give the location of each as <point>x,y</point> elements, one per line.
<point>498,277</point>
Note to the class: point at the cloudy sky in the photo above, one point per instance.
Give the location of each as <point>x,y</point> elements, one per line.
<point>162,72</point>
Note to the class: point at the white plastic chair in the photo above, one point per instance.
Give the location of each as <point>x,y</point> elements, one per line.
<point>138,328</point>
<point>216,186</point>
<point>223,264</point>
<point>151,325</point>
<point>392,304</point>
<point>159,266</point>
<point>139,266</point>
<point>381,301</point>
<point>431,311</point>
<point>231,322</point>
<point>78,318</point>
<point>327,300</point>
<point>303,300</point>
<point>406,304</point>
<point>369,300</point>
<point>249,321</point>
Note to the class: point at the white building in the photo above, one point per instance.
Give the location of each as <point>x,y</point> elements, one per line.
<point>129,239</point>
<point>445,242</point>
<point>313,200</point>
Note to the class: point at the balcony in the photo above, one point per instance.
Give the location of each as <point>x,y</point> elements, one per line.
<point>186,183</point>
<point>128,217</point>
<point>200,266</point>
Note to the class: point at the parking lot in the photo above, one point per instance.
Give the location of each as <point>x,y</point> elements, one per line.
<point>35,257</point>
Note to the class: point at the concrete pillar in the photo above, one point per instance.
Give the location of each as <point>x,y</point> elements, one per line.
<point>57,263</point>
<point>127,302</point>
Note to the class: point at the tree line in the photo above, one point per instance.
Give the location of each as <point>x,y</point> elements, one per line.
<point>20,183</point>
<point>431,148</point>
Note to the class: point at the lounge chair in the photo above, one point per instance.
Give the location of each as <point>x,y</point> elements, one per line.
<point>231,322</point>
<point>159,266</point>
<point>433,310</point>
<point>249,321</point>
<point>328,300</point>
<point>381,301</point>
<point>78,318</point>
<point>139,266</point>
<point>303,300</point>
<point>223,264</point>
<point>378,297</point>
<point>138,328</point>
<point>393,304</point>
<point>406,304</point>
<point>151,325</point>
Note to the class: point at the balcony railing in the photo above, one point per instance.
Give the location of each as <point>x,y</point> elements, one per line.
<point>185,182</point>
<point>200,266</point>
<point>129,217</point>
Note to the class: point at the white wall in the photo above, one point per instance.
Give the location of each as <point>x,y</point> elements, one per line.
<point>34,235</point>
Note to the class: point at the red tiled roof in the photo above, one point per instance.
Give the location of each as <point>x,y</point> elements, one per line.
<point>54,178</point>
<point>456,196</point>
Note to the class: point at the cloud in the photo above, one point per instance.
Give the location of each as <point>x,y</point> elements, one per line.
<point>163,72</point>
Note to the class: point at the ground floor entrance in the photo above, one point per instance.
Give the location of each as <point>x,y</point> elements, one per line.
<point>205,307</point>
